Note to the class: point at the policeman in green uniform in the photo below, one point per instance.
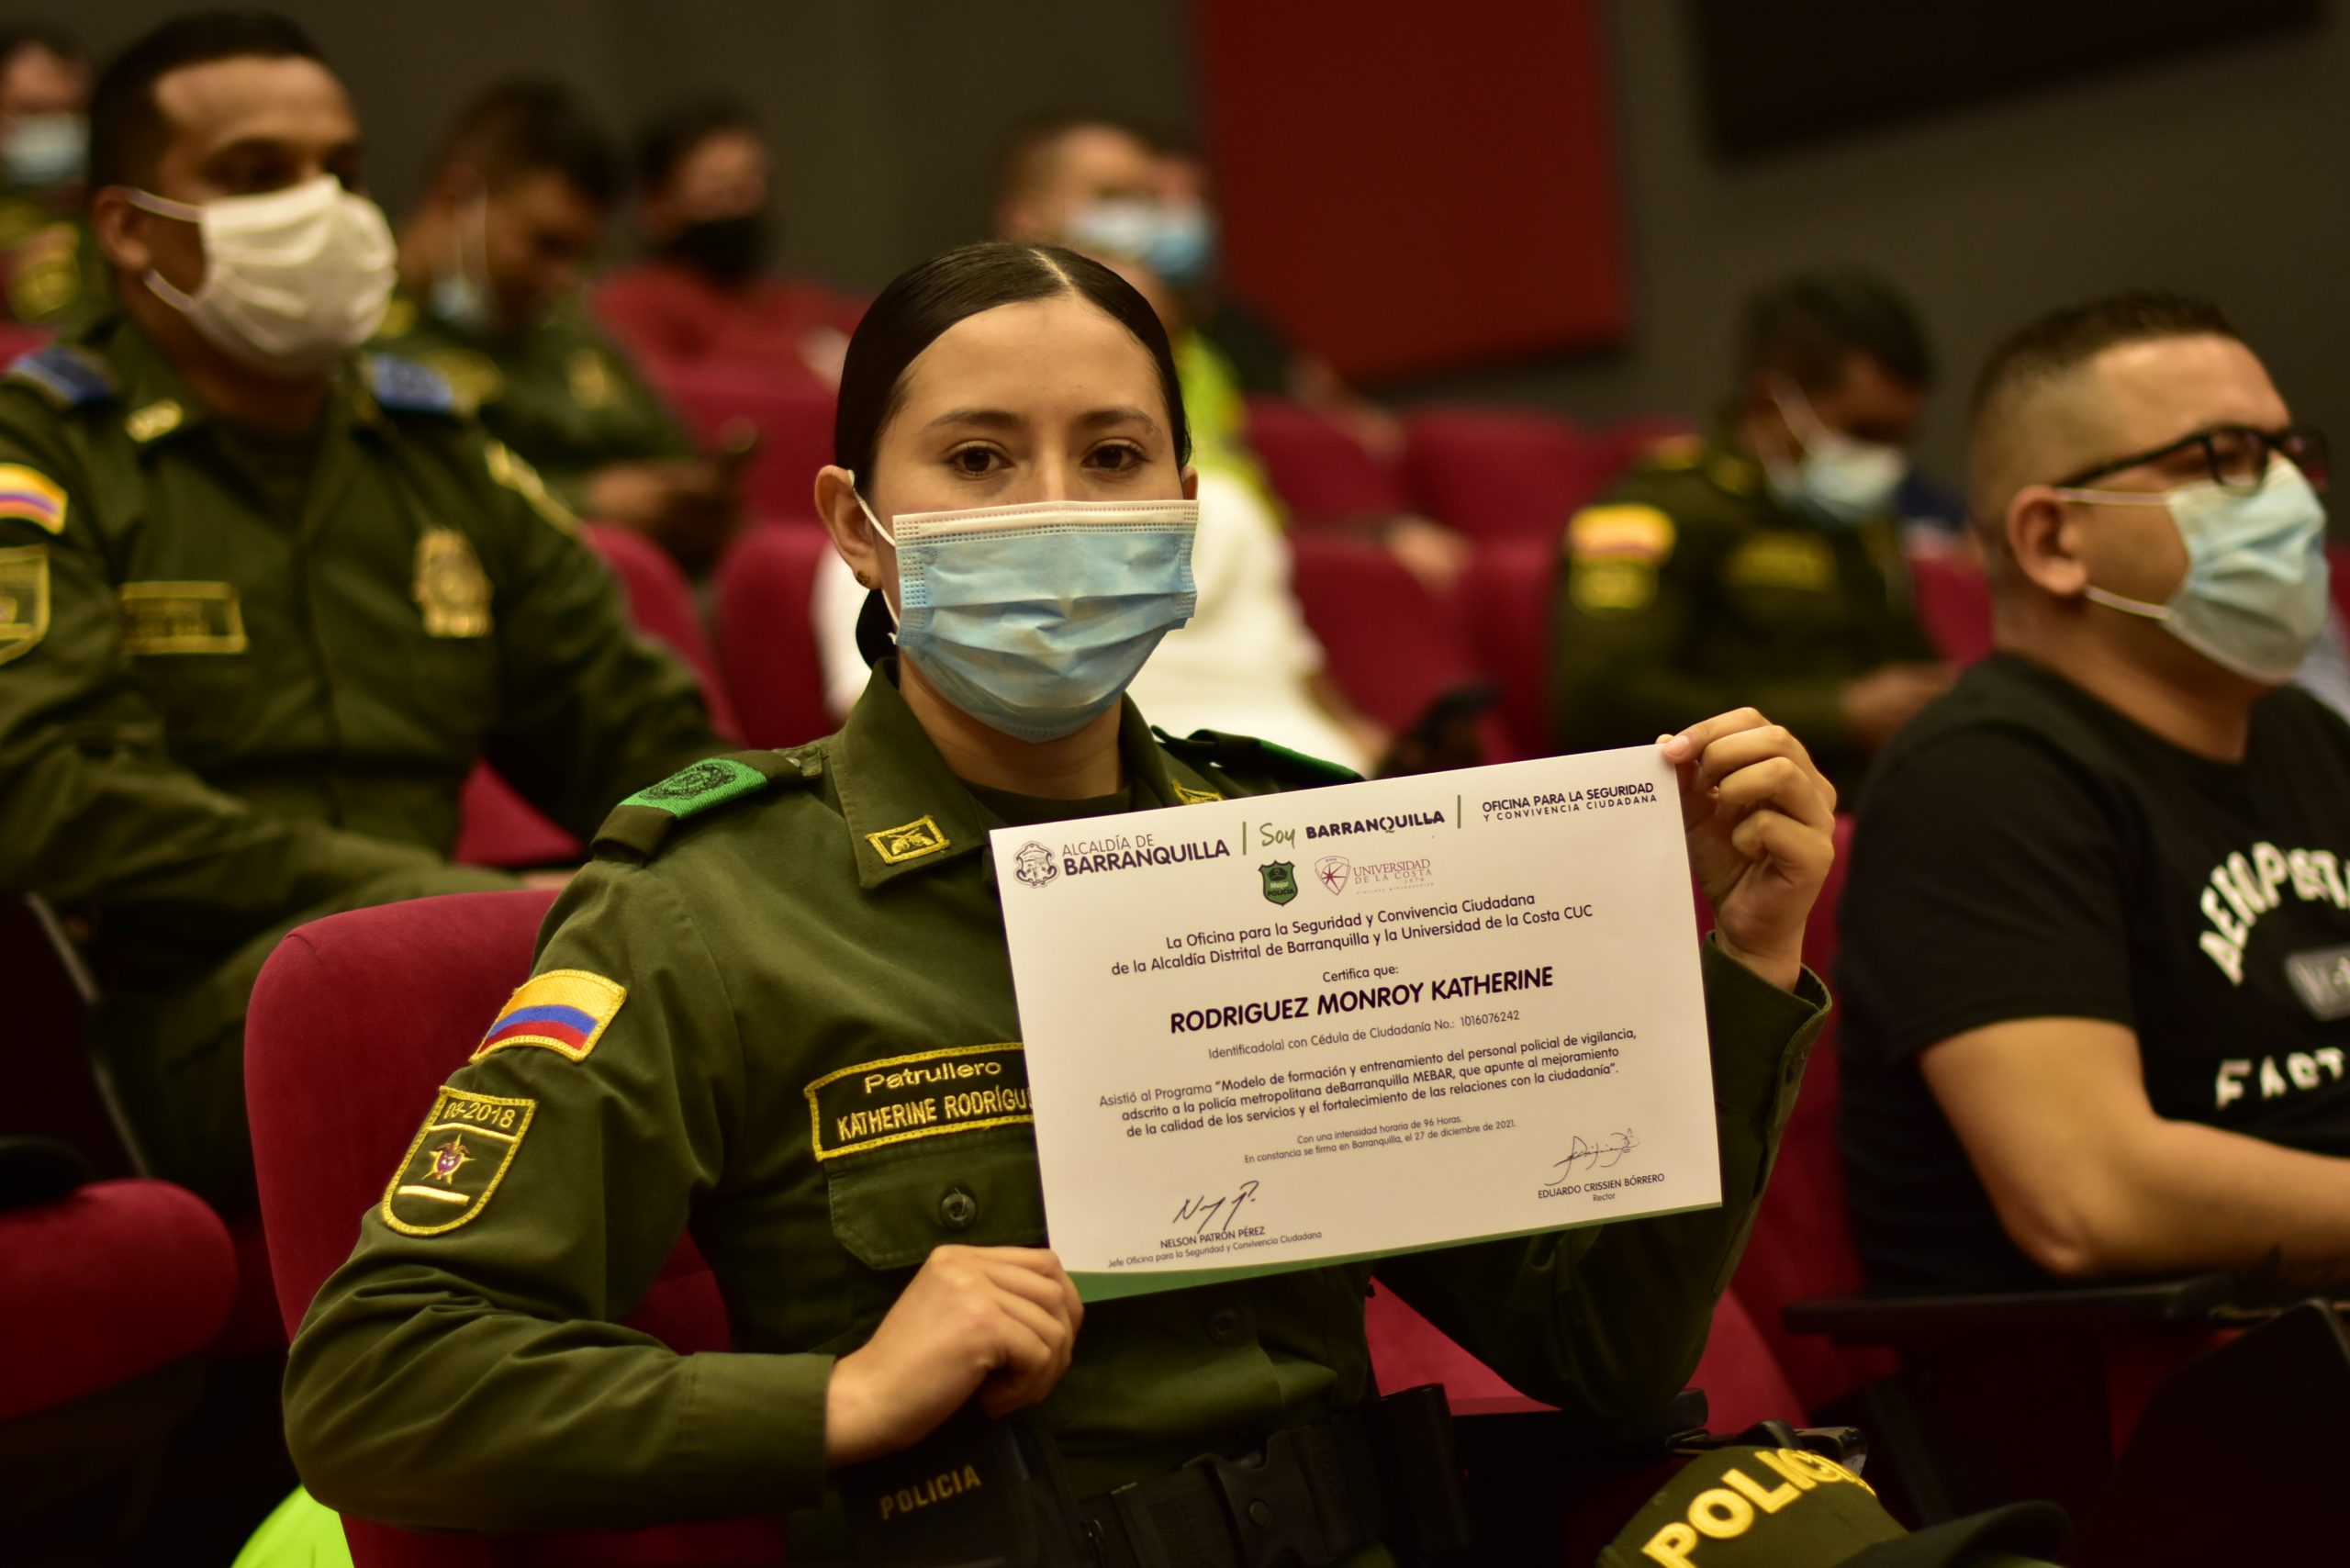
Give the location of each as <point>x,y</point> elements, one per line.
<point>736,1008</point>
<point>265,601</point>
<point>489,271</point>
<point>1761,564</point>
<point>48,260</point>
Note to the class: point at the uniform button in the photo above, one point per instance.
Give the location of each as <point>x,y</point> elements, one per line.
<point>1229,1326</point>
<point>958,1209</point>
<point>1260,1513</point>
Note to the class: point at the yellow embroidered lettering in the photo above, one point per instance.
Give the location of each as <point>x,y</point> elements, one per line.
<point>1671,1546</point>
<point>1722,1515</point>
<point>1770,1501</point>
<point>1803,1483</point>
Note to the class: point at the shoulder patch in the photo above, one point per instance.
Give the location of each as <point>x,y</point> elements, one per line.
<point>24,600</point>
<point>639,825</point>
<point>409,386</point>
<point>461,1154</point>
<point>1620,532</point>
<point>33,496</point>
<point>66,374</point>
<point>564,1010</point>
<point>1246,754</point>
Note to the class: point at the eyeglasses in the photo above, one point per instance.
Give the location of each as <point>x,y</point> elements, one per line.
<point>2236,457</point>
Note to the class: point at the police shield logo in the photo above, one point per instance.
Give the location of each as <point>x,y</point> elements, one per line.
<point>1281,882</point>
<point>1332,871</point>
<point>1034,864</point>
<point>456,1162</point>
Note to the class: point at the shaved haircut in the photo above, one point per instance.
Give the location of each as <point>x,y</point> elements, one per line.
<point>2019,414</point>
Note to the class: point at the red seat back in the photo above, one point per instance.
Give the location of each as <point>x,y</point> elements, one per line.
<point>766,633</point>
<point>793,417</point>
<point>497,826</point>
<point>1393,647</point>
<point>1505,603</point>
<point>1320,472</point>
<point>1954,601</point>
<point>1802,1245</point>
<point>2340,577</point>
<point>1503,474</point>
<point>333,1109</point>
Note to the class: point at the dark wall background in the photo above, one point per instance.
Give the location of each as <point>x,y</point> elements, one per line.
<point>2223,173</point>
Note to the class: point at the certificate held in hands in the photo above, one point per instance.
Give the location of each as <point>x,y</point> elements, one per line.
<point>1294,1029</point>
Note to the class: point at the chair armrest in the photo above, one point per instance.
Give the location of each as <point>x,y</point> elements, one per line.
<point>36,1170</point>
<point>2190,1302</point>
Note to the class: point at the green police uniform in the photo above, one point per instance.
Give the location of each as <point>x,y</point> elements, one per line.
<point>242,679</point>
<point>1690,590</point>
<point>560,393</point>
<point>754,988</point>
<point>53,267</point>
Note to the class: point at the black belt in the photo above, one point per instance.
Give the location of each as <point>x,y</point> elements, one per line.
<point>1312,1498</point>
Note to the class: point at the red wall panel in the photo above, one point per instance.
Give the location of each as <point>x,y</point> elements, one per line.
<point>1410,186</point>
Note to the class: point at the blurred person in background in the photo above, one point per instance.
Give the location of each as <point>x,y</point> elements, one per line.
<point>707,292</point>
<point>490,266</point>
<point>267,600</point>
<point>50,263</point>
<point>1763,563</point>
<point>2097,1002</point>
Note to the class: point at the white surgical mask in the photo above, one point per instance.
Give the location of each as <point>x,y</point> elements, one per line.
<point>461,295</point>
<point>293,279</point>
<point>45,151</point>
<point>2253,599</point>
<point>1840,479</point>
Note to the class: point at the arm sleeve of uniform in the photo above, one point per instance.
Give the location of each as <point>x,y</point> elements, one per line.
<point>480,1378</point>
<point>1984,886</point>
<point>590,711</point>
<point>92,806</point>
<point>1610,1320</point>
<point>1625,610</point>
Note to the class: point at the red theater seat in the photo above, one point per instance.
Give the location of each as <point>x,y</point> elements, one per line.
<point>1503,474</point>
<point>500,828</point>
<point>1953,605</point>
<point>792,419</point>
<point>329,1125</point>
<point>1393,646</point>
<point>1504,601</point>
<point>1320,472</point>
<point>767,636</point>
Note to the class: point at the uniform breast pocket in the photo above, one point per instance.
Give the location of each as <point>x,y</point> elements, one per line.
<point>892,1205</point>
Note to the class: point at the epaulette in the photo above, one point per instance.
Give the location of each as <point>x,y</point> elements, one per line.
<point>66,374</point>
<point>638,825</point>
<point>409,386</point>
<point>1245,755</point>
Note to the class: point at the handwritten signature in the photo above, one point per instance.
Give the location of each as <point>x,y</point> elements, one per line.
<point>1597,1155</point>
<point>1206,1209</point>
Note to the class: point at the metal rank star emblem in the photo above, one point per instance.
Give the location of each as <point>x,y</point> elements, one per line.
<point>449,1159</point>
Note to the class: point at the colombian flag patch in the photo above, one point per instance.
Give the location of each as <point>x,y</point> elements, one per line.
<point>564,1009</point>
<point>34,497</point>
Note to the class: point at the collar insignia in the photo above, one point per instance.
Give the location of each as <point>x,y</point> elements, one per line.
<point>911,842</point>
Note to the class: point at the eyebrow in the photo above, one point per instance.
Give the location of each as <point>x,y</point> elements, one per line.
<point>1004,419</point>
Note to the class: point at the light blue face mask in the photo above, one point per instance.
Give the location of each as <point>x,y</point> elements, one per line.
<point>42,150</point>
<point>1174,240</point>
<point>460,297</point>
<point>2253,599</point>
<point>1034,619</point>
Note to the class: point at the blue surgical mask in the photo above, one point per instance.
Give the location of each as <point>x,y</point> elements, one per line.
<point>1175,240</point>
<point>1183,246</point>
<point>2253,599</point>
<point>1840,479</point>
<point>1034,619</point>
<point>40,151</point>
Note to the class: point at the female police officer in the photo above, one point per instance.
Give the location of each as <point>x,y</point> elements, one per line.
<point>774,954</point>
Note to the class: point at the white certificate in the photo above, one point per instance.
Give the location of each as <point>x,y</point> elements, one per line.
<point>1336,1023</point>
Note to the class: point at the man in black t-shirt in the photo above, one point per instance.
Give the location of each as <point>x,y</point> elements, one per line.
<point>2095,961</point>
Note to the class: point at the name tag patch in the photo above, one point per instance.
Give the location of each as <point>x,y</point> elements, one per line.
<point>24,600</point>
<point>181,618</point>
<point>927,1095</point>
<point>456,1162</point>
<point>2321,977</point>
<point>1801,562</point>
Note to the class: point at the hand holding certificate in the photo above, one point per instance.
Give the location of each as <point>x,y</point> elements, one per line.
<point>1286,1030</point>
